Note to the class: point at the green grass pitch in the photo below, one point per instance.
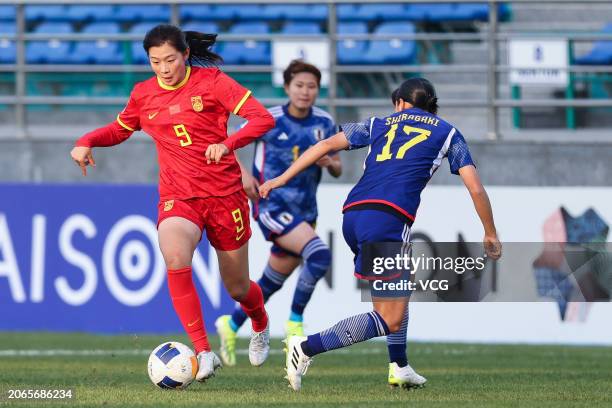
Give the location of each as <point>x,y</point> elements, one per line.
<point>460,375</point>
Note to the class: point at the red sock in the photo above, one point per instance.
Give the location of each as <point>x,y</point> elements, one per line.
<point>253,306</point>
<point>187,306</point>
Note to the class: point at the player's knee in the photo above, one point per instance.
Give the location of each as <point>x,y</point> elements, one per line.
<point>318,257</point>
<point>238,292</point>
<point>176,259</point>
<point>392,320</point>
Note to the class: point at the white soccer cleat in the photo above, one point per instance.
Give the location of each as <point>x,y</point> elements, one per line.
<point>208,362</point>
<point>259,347</point>
<point>405,377</point>
<point>296,363</point>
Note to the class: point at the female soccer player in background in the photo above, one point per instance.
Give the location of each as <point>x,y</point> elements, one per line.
<point>288,217</point>
<point>406,148</point>
<point>185,109</point>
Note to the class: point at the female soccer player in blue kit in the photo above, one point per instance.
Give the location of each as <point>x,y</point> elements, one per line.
<point>288,217</point>
<point>406,148</point>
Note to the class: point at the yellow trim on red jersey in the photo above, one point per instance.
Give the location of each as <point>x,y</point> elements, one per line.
<point>123,125</point>
<point>242,101</point>
<point>180,84</point>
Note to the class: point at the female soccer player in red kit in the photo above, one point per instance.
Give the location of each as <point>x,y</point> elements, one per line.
<point>185,109</point>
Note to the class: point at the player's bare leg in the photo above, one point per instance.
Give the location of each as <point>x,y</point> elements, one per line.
<point>178,238</point>
<point>234,268</point>
<point>276,272</point>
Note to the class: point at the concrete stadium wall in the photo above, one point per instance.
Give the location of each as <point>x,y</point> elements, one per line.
<point>504,163</point>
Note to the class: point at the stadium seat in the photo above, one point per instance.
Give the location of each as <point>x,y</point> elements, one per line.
<point>7,47</point>
<point>7,13</point>
<point>46,13</point>
<point>144,12</point>
<point>347,12</point>
<point>301,28</point>
<point>52,51</point>
<point>202,27</point>
<point>196,12</point>
<point>298,12</point>
<point>244,12</point>
<point>418,11</point>
<point>384,12</point>
<point>247,52</point>
<point>101,51</point>
<point>351,51</point>
<point>394,51</point>
<point>139,56</point>
<point>472,11</point>
<point>91,13</point>
<point>601,54</point>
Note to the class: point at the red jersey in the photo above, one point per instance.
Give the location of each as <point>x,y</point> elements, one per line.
<point>184,120</point>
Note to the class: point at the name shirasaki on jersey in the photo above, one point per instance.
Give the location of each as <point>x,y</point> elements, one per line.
<point>428,120</point>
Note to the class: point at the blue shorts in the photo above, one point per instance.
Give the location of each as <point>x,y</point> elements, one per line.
<point>274,224</point>
<point>369,226</point>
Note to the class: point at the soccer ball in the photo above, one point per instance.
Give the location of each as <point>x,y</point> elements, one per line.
<point>172,365</point>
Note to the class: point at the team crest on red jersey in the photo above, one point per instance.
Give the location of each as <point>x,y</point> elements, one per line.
<point>168,205</point>
<point>196,102</point>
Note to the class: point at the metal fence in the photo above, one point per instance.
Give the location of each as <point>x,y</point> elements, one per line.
<point>491,36</point>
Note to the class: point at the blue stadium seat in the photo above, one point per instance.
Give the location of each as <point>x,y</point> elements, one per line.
<point>472,11</point>
<point>201,26</point>
<point>301,28</point>
<point>394,51</point>
<point>418,11</point>
<point>244,12</point>
<point>7,13</point>
<point>384,12</point>
<point>139,56</point>
<point>247,52</point>
<point>347,12</point>
<point>196,12</point>
<point>435,12</point>
<point>46,13</point>
<point>92,12</point>
<point>52,51</point>
<point>298,12</point>
<point>101,51</point>
<point>351,51</point>
<point>144,12</point>
<point>7,47</point>
<point>601,54</point>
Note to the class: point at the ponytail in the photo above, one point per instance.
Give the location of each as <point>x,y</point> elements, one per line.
<point>199,44</point>
<point>199,47</point>
<point>419,92</point>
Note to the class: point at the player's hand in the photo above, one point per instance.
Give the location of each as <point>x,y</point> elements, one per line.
<point>215,152</point>
<point>83,156</point>
<point>265,188</point>
<point>325,161</point>
<point>492,246</point>
<point>250,185</point>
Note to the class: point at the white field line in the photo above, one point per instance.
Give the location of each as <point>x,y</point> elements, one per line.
<point>141,352</point>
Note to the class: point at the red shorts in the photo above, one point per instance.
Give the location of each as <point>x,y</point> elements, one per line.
<point>225,219</point>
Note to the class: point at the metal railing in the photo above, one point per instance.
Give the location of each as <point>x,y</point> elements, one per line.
<point>491,36</point>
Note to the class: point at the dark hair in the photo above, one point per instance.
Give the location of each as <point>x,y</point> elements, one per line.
<point>198,43</point>
<point>394,97</point>
<point>419,92</point>
<point>298,66</point>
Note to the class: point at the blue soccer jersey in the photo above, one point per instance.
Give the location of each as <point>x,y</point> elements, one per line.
<point>279,148</point>
<point>405,149</point>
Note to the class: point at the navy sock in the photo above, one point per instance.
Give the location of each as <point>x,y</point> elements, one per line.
<point>396,343</point>
<point>317,259</point>
<point>346,332</point>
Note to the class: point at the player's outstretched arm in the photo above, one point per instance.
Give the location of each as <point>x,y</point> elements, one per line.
<point>310,157</point>
<point>472,182</point>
